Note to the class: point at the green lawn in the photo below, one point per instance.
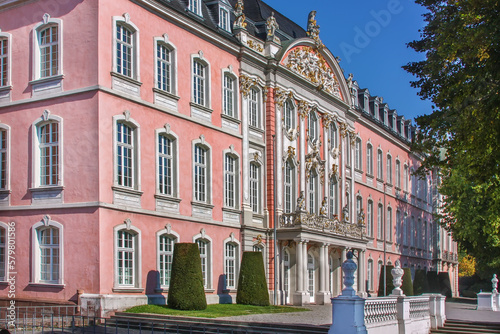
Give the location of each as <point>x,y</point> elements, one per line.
<point>215,310</point>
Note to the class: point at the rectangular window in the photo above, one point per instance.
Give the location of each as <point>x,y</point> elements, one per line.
<point>3,159</point>
<point>380,227</point>
<point>359,163</point>
<point>166,254</point>
<point>389,224</point>
<point>165,168</point>
<point>312,193</point>
<point>2,254</point>
<point>254,187</point>
<point>369,214</point>
<point>163,68</point>
<point>49,52</point>
<point>4,61</point>
<point>200,174</point>
<point>333,136</point>
<point>369,271</point>
<point>289,175</point>
<point>389,169</point>
<point>125,154</point>
<point>253,108</point>
<point>312,129</point>
<point>198,83</point>
<point>229,182</point>
<point>230,266</point>
<point>203,246</point>
<point>223,19</point>
<point>380,165</point>
<point>398,174</point>
<point>194,6</point>
<point>124,50</point>
<point>49,254</point>
<point>333,198</point>
<point>405,177</point>
<point>126,261</point>
<point>369,160</point>
<point>228,96</point>
<point>289,115</point>
<point>49,154</point>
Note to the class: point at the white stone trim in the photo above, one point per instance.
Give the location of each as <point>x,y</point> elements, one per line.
<point>126,119</point>
<point>237,255</point>
<point>8,85</point>
<point>166,131</point>
<point>35,251</point>
<point>209,241</point>
<point>8,149</point>
<point>237,182</point>
<point>125,21</point>
<point>168,232</point>
<point>46,22</point>
<point>127,225</point>
<point>6,227</point>
<point>209,163</point>
<point>164,40</point>
<point>207,80</point>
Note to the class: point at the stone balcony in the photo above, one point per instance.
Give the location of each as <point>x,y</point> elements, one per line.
<point>329,226</point>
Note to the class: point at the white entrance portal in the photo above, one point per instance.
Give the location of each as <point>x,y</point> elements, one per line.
<point>311,277</point>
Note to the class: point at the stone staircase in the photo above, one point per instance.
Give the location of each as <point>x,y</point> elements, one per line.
<point>459,327</point>
<point>150,323</point>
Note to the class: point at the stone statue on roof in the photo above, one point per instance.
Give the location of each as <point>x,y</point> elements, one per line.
<point>239,22</point>
<point>313,29</point>
<point>271,27</point>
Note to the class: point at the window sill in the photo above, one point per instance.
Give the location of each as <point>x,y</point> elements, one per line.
<point>370,175</point>
<point>201,112</point>
<point>209,290</point>
<point>256,128</point>
<point>46,79</point>
<point>380,180</point>
<point>168,198</point>
<point>230,118</point>
<point>5,88</point>
<point>202,107</point>
<point>5,191</point>
<point>127,190</point>
<point>162,290</point>
<point>202,204</point>
<point>358,170</point>
<point>166,94</point>
<point>127,290</point>
<point>125,84</point>
<point>46,195</point>
<point>165,99</point>
<point>126,196</point>
<point>47,285</point>
<point>232,210</point>
<point>46,86</point>
<point>201,210</point>
<point>46,188</point>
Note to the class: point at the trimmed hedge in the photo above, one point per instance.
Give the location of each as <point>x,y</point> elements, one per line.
<point>252,286</point>
<point>444,283</point>
<point>389,286</point>
<point>433,281</point>
<point>186,291</point>
<point>407,285</point>
<point>420,284</point>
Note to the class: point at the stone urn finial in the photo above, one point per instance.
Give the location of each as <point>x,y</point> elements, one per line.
<point>494,283</point>
<point>349,267</point>
<point>397,274</point>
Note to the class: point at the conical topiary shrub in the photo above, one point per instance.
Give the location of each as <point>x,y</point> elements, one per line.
<point>389,286</point>
<point>252,286</point>
<point>186,291</point>
<point>407,286</point>
<point>433,281</point>
<point>420,284</point>
<point>444,284</point>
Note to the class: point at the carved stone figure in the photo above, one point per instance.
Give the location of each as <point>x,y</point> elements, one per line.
<point>312,27</point>
<point>494,283</point>
<point>361,217</point>
<point>323,210</point>
<point>271,26</point>
<point>239,22</point>
<point>397,274</point>
<point>345,213</point>
<point>301,202</point>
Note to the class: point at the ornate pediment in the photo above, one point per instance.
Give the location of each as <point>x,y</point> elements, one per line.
<point>310,64</point>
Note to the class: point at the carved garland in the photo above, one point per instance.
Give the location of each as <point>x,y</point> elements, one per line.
<point>313,161</point>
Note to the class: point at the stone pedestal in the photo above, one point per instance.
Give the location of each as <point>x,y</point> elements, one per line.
<point>348,315</point>
<point>485,301</point>
<point>300,298</point>
<point>323,297</point>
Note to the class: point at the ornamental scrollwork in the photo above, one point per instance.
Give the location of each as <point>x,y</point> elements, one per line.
<point>289,154</point>
<point>311,65</point>
<point>334,172</point>
<point>255,46</point>
<point>313,161</point>
<point>280,96</point>
<point>352,137</point>
<point>291,133</point>
<point>246,83</point>
<point>239,22</point>
<point>313,29</point>
<point>343,129</point>
<point>304,109</point>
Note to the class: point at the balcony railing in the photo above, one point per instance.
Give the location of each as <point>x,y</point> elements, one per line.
<point>321,223</point>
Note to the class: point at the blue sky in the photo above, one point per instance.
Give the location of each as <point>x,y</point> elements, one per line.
<point>370,38</point>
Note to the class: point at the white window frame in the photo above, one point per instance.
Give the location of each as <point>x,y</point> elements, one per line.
<point>311,275</point>
<point>389,224</point>
<point>405,177</point>
<point>37,29</point>
<point>369,216</point>
<point>125,22</point>
<point>207,281</point>
<point>231,284</point>
<point>313,192</point>
<point>174,156</point>
<point>224,19</point>
<point>136,166</point>
<point>359,207</point>
<point>194,6</point>
<point>255,187</point>
<point>4,254</point>
<point>398,173</point>
<point>289,113</point>
<point>167,233</point>
<point>6,59</point>
<point>369,159</point>
<point>380,164</point>
<point>380,221</point>
<point>207,188</point>
<point>289,186</point>
<point>230,94</point>
<point>5,149</point>
<point>389,169</point>
<point>369,274</point>
<point>236,180</point>
<point>203,80</point>
<point>46,222</point>
<point>172,62</point>
<point>36,154</point>
<point>333,135</point>
<point>254,108</point>
<point>312,126</point>
<point>137,251</point>
<point>359,154</point>
<point>286,274</point>
<point>332,197</point>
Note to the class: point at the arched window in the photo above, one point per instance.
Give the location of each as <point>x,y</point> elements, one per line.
<point>313,192</point>
<point>289,115</point>
<point>380,165</point>
<point>333,192</point>
<point>254,112</point>
<point>332,135</point>
<point>231,180</point>
<point>311,276</point>
<point>312,129</point>
<point>369,218</point>
<point>48,46</point>
<point>389,224</point>
<point>255,191</point>
<point>289,186</point>
<point>359,155</point>
<point>48,252</point>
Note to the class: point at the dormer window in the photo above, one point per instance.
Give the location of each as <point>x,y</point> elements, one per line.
<point>195,6</point>
<point>224,19</point>
<point>366,104</point>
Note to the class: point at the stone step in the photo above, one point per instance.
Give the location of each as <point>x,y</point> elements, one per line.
<point>459,327</point>
<point>155,322</point>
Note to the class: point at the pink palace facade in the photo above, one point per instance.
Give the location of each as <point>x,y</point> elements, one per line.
<point>128,126</point>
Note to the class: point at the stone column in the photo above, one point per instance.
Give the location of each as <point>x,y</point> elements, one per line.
<point>300,295</point>
<point>352,210</point>
<point>343,170</point>
<point>247,210</point>
<point>361,273</point>
<point>323,296</point>
<point>302,154</point>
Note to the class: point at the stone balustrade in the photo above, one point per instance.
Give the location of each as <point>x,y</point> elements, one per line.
<point>305,220</point>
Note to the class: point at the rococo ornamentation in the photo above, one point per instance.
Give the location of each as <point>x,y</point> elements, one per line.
<point>313,161</point>
<point>246,83</point>
<point>239,22</point>
<point>311,65</point>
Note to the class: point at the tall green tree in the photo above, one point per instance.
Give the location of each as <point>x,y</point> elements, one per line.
<point>461,76</point>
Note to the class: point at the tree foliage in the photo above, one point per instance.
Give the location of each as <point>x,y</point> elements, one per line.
<point>461,137</point>
<point>466,266</point>
<point>252,286</point>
